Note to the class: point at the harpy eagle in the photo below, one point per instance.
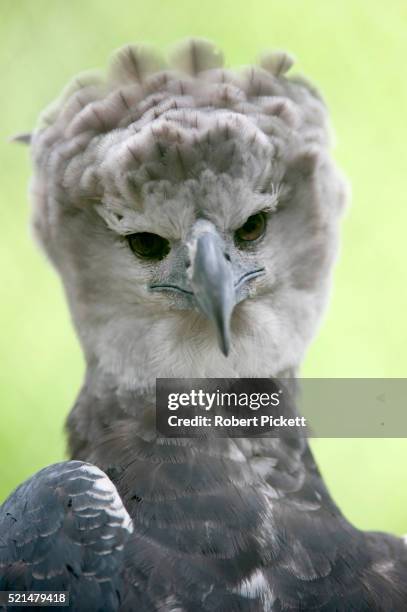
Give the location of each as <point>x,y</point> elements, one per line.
<point>192,213</point>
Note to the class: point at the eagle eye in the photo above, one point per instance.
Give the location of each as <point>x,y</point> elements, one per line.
<point>253,229</point>
<point>148,246</point>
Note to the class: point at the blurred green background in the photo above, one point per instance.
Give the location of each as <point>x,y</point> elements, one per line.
<point>355,51</point>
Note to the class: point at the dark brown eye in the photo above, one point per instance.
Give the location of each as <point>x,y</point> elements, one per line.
<point>148,246</point>
<point>253,229</point>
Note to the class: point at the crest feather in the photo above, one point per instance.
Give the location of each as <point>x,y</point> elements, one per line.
<point>276,62</point>
<point>135,63</point>
<point>196,55</point>
<point>22,137</point>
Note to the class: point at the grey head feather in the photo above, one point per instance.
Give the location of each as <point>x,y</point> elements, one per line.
<point>277,63</point>
<point>173,124</point>
<point>151,147</point>
<point>194,56</point>
<point>134,63</point>
<point>23,138</point>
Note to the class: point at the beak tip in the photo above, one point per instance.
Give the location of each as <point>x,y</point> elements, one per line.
<point>225,346</point>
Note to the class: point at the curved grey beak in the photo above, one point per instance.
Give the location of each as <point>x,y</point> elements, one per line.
<point>212,281</point>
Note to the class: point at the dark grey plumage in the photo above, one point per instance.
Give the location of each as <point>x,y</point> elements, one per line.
<point>190,152</point>
<point>65,529</point>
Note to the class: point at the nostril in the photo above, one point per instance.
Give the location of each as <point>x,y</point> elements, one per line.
<point>227,256</point>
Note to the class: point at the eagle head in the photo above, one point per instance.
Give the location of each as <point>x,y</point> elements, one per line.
<point>192,212</point>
